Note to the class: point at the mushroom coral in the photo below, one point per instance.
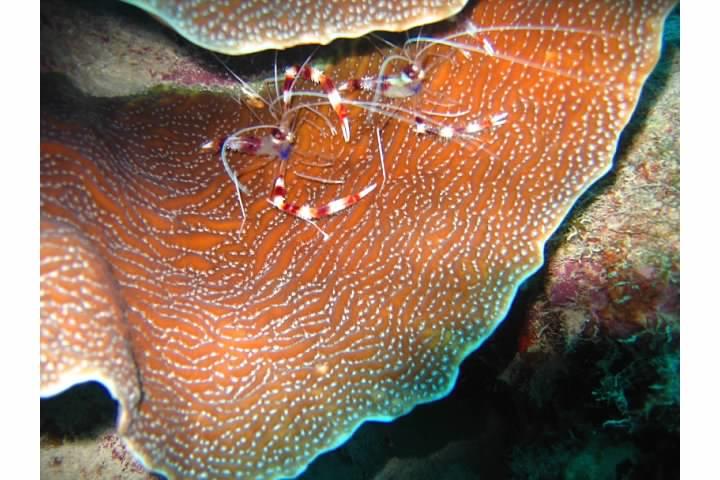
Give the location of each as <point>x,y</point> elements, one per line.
<point>246,352</point>
<point>240,26</point>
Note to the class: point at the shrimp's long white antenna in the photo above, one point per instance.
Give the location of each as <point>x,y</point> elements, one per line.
<point>473,30</point>
<point>277,92</point>
<point>382,156</point>
<point>239,188</point>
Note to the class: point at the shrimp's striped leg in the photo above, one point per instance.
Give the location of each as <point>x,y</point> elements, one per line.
<point>278,199</point>
<point>404,84</point>
<point>316,76</point>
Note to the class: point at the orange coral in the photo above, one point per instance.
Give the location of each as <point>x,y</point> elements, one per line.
<point>252,352</point>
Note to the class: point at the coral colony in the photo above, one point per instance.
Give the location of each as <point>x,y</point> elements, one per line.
<point>238,27</point>
<point>238,341</point>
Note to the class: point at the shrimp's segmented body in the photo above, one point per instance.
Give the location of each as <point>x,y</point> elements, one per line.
<point>276,144</point>
<point>403,84</point>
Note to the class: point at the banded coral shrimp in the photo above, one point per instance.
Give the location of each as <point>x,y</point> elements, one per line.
<point>409,72</point>
<point>278,142</point>
<point>417,57</point>
<point>395,89</point>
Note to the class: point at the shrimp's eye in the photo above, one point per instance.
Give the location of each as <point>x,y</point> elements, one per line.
<point>409,73</point>
<point>278,134</point>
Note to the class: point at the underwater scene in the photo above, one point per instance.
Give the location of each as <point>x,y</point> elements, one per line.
<point>360,240</point>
